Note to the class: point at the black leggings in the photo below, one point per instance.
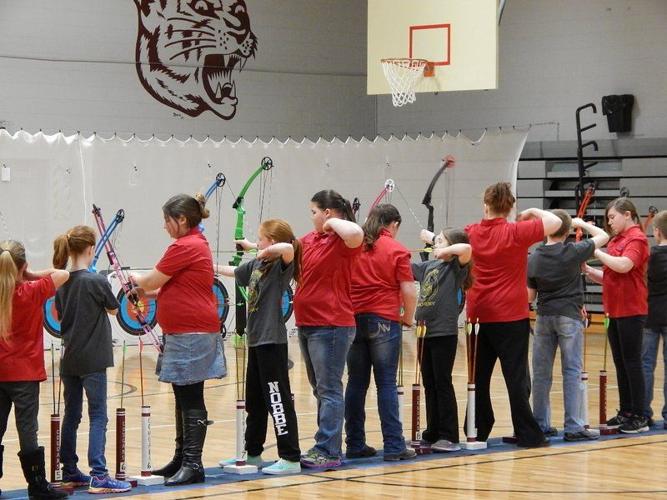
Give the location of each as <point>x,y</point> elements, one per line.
<point>625,340</point>
<point>25,398</point>
<point>189,397</point>
<point>441,410</point>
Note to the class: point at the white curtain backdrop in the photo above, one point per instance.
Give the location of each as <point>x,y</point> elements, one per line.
<point>55,179</point>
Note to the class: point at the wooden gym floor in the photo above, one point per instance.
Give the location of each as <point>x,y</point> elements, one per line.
<point>619,468</point>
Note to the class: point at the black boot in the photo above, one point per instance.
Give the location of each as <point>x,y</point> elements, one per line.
<point>194,433</point>
<point>2,451</point>
<point>33,469</point>
<point>172,467</point>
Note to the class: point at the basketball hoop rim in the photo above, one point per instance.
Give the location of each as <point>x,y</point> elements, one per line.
<point>425,65</point>
<point>395,60</point>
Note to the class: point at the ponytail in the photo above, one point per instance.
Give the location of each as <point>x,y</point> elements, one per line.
<point>12,260</point>
<point>201,199</point>
<point>60,252</point>
<point>74,242</point>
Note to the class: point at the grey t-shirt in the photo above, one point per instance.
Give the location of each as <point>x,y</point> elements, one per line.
<point>555,272</point>
<point>438,305</point>
<point>81,304</point>
<point>657,288</point>
<point>266,284</point>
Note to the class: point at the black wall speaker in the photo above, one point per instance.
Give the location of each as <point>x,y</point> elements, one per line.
<point>618,109</point>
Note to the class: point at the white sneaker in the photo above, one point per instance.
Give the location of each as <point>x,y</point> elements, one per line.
<point>250,460</point>
<point>444,445</point>
<point>282,466</point>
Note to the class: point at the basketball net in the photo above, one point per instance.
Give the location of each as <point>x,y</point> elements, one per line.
<point>403,76</point>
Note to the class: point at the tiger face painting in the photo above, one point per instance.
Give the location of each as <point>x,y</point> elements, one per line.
<point>188,52</point>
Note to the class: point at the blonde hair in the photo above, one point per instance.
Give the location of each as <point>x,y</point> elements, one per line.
<point>12,260</point>
<point>280,231</point>
<point>74,242</point>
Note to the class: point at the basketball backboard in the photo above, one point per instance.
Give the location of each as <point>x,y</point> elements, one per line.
<point>459,36</point>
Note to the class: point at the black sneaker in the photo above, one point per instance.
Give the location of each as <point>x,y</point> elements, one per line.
<point>650,421</point>
<point>582,435</point>
<point>551,432</point>
<point>634,425</point>
<point>617,421</point>
<point>365,452</point>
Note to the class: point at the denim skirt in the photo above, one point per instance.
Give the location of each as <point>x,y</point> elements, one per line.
<point>188,358</point>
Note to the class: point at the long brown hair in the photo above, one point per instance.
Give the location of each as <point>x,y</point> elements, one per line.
<point>379,218</point>
<point>499,198</point>
<point>280,231</point>
<point>12,260</point>
<point>454,236</point>
<point>71,244</point>
<point>621,205</point>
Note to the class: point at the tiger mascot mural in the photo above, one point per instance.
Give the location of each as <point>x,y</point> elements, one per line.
<point>188,52</point>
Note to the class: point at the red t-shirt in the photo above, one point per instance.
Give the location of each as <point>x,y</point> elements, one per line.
<point>22,354</point>
<point>323,295</point>
<point>500,257</point>
<point>377,276</point>
<point>626,294</point>
<point>186,303</point>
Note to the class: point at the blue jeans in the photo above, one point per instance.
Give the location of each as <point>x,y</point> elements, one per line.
<point>324,350</point>
<point>377,344</point>
<point>568,334</point>
<point>650,344</point>
<point>95,385</point>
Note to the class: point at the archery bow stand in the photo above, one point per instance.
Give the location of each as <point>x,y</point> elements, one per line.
<point>240,466</point>
<point>55,466</point>
<point>420,447</point>
<point>604,429</point>
<point>471,442</point>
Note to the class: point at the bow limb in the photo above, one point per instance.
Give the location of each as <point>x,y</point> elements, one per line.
<point>104,237</point>
<point>219,181</point>
<point>583,206</point>
<point>389,186</point>
<point>426,201</point>
<point>241,292</point>
<point>581,212</point>
<point>356,205</point>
